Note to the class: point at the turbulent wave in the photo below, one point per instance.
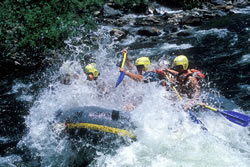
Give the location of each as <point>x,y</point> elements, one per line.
<point>166,135</point>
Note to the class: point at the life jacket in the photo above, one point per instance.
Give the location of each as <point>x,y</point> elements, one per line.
<point>162,76</point>
<point>182,78</point>
<point>161,73</point>
<point>183,81</point>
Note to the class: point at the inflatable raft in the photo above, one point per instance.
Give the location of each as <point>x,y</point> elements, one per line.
<point>92,130</point>
<point>95,122</point>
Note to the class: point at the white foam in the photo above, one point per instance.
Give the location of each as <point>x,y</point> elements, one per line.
<point>221,33</point>
<point>166,136</point>
<point>167,46</point>
<point>162,10</point>
<point>242,10</point>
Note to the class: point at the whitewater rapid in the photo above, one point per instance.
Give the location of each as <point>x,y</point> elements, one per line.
<point>166,136</point>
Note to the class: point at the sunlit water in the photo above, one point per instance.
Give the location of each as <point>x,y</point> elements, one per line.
<point>166,136</point>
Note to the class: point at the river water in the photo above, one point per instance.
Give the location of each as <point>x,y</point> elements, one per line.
<point>166,136</point>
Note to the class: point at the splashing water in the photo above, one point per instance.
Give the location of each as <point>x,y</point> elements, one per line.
<point>166,136</point>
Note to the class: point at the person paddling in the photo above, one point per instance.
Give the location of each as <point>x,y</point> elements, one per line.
<point>142,65</point>
<point>143,70</point>
<point>187,80</point>
<point>143,74</point>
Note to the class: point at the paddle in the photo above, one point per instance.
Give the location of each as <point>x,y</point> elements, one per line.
<point>192,116</point>
<point>232,116</point>
<point>177,93</point>
<point>121,73</point>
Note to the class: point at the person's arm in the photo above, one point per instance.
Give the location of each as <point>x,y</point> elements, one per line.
<point>175,73</point>
<point>167,77</point>
<point>135,77</point>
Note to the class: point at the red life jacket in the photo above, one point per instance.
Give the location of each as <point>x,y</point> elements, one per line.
<point>194,73</point>
<point>183,81</point>
<point>182,78</point>
<point>162,76</point>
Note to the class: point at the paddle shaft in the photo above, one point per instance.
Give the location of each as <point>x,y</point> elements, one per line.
<point>232,116</point>
<point>211,108</point>
<point>237,118</point>
<point>124,59</point>
<point>174,88</point>
<point>193,117</point>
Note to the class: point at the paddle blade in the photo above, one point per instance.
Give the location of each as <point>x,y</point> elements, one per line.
<point>120,78</point>
<point>235,117</point>
<point>196,120</point>
<point>121,73</point>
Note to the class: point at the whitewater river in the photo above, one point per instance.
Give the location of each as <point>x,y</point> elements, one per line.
<point>166,136</point>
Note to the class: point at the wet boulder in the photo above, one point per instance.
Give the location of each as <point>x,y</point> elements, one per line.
<point>217,2</point>
<point>170,28</point>
<point>118,34</point>
<point>147,21</point>
<point>223,7</point>
<point>192,20</point>
<point>148,31</point>
<point>183,33</point>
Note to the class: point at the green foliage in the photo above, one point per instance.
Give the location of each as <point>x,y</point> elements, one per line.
<point>31,26</point>
<point>34,26</point>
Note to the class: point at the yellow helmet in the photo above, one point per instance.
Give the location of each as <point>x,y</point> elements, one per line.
<point>90,68</point>
<point>143,61</point>
<point>181,60</point>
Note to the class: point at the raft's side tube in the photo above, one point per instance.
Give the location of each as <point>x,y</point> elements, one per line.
<point>97,119</point>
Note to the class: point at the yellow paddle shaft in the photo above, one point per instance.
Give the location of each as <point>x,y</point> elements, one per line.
<point>177,93</point>
<point>124,59</point>
<point>211,108</point>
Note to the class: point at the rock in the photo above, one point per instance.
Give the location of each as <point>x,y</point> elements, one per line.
<point>183,33</point>
<point>191,20</point>
<point>148,31</point>
<point>220,13</point>
<point>223,7</point>
<point>217,2</point>
<point>170,28</point>
<point>151,20</point>
<point>122,22</point>
<point>119,34</point>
